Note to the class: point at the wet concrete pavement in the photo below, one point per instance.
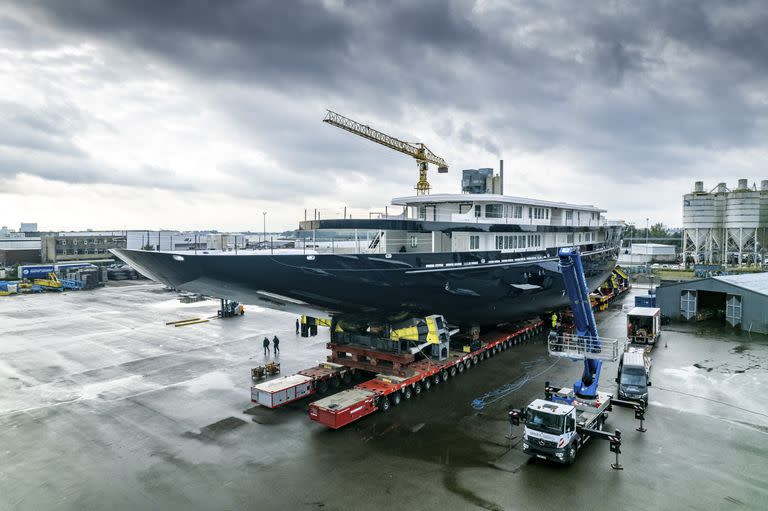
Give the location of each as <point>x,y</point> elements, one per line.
<point>103,406</point>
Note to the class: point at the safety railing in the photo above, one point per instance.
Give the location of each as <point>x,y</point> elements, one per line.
<point>580,347</point>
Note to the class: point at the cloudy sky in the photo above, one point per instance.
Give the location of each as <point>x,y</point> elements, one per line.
<point>192,114</point>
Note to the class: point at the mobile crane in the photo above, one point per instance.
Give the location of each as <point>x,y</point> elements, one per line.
<point>559,425</point>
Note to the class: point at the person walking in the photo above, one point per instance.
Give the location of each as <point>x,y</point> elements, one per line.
<point>266,346</point>
<point>297,326</point>
<point>276,343</point>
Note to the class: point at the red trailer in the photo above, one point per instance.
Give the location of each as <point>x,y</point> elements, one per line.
<point>318,379</point>
<point>384,391</point>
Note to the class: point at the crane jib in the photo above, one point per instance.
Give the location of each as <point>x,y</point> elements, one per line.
<point>417,150</point>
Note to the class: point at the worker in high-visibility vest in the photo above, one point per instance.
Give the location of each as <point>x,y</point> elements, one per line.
<point>554,320</point>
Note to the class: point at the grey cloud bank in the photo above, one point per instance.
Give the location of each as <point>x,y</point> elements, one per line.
<point>598,93</point>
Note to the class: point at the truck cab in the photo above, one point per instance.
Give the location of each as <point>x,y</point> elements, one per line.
<point>550,431</point>
<point>633,376</point>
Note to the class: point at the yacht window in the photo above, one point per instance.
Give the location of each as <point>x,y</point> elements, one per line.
<point>493,210</point>
<point>478,211</point>
<point>547,214</point>
<point>414,241</point>
<point>569,238</point>
<point>569,215</point>
<point>474,242</point>
<point>422,213</point>
<point>517,212</point>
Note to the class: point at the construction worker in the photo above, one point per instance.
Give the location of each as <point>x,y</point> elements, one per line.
<point>297,326</point>
<point>276,343</point>
<point>554,321</point>
<point>266,346</point>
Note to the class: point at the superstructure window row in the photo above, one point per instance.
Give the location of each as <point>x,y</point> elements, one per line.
<point>518,241</point>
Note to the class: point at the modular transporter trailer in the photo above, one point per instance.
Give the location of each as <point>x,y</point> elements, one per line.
<point>319,379</point>
<point>383,391</point>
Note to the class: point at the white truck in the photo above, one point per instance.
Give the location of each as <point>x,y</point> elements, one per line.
<point>556,430</point>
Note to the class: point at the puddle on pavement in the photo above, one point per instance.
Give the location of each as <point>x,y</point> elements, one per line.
<point>212,431</point>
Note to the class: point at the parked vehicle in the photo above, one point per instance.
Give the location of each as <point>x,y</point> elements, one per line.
<point>633,376</point>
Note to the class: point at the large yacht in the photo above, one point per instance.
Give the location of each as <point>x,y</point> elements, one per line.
<point>476,258</point>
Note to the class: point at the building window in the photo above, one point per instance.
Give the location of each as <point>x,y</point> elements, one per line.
<point>478,211</point>
<point>494,210</point>
<point>414,241</point>
<point>474,242</point>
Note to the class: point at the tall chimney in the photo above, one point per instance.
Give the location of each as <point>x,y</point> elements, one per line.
<point>743,184</point>
<point>698,186</point>
<point>501,175</point>
<point>764,184</point>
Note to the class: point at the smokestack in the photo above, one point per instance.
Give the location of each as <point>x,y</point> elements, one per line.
<point>501,175</point>
<point>698,186</point>
<point>764,184</point>
<point>743,184</point>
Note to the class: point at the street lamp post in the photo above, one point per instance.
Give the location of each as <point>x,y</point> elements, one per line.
<point>264,215</point>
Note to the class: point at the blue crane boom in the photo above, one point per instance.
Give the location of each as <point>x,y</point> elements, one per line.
<point>584,319</point>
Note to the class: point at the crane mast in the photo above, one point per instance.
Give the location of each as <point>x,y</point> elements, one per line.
<point>416,150</point>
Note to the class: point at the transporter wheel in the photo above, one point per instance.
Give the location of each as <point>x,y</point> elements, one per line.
<point>417,388</point>
<point>467,364</point>
<point>452,371</point>
<point>407,393</point>
<point>475,360</point>
<point>436,379</point>
<point>444,375</point>
<point>460,367</point>
<point>572,454</point>
<point>383,403</point>
<point>427,384</point>
<point>395,398</point>
<point>322,387</point>
<point>346,378</point>
<point>334,383</point>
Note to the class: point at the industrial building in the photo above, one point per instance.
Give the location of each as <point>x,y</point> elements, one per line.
<point>17,249</point>
<point>80,246</point>
<point>644,253</point>
<point>740,300</point>
<point>724,226</point>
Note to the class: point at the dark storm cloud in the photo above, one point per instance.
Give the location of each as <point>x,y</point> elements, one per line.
<point>643,87</point>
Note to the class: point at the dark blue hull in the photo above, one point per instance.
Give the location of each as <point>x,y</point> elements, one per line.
<point>468,288</point>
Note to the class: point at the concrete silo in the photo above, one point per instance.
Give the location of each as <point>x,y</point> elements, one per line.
<point>723,226</point>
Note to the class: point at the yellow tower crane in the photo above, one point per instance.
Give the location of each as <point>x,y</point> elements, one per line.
<point>416,150</point>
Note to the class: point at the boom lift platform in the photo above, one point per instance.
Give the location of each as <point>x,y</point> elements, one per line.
<point>559,425</point>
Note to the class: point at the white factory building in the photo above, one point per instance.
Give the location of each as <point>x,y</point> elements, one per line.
<point>644,253</point>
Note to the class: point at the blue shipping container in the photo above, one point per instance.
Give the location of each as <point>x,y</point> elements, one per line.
<point>645,301</point>
<point>34,272</point>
